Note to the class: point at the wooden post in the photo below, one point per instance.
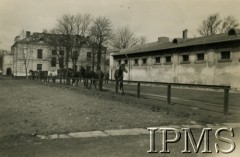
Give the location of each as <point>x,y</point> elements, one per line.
<point>169,93</point>
<point>226,98</point>
<point>116,89</point>
<point>138,90</point>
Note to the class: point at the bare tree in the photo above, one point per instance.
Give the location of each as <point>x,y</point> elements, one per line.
<point>82,23</point>
<point>124,38</point>
<point>72,30</point>
<point>65,27</point>
<point>26,53</point>
<point>210,26</point>
<point>101,32</point>
<point>214,24</point>
<point>56,41</point>
<point>142,40</point>
<point>228,23</point>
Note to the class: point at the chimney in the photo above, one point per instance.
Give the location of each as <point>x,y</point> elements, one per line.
<point>163,39</point>
<point>28,33</point>
<point>185,34</point>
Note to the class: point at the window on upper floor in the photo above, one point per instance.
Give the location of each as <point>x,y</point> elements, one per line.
<point>88,68</point>
<point>75,54</point>
<point>89,56</point>
<point>61,53</point>
<point>61,62</point>
<point>126,62</point>
<point>39,53</point>
<point>54,52</point>
<point>54,62</point>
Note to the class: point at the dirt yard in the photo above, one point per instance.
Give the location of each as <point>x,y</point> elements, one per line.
<point>28,108</point>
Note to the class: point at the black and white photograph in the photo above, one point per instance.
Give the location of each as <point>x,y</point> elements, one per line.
<point>119,78</point>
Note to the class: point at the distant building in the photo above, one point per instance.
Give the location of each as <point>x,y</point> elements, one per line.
<point>7,64</point>
<point>36,52</point>
<point>212,59</point>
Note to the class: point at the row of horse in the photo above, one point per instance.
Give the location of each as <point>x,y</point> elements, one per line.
<point>67,75</point>
<point>89,77</point>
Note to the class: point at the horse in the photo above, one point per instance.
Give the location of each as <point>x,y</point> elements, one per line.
<point>75,76</point>
<point>66,74</point>
<point>99,75</point>
<point>41,75</point>
<point>81,73</point>
<point>89,77</point>
<point>32,74</point>
<point>106,77</point>
<point>118,75</point>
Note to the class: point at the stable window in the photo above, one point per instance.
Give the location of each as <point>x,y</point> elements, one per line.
<point>136,61</point>
<point>125,61</point>
<point>185,58</point>
<point>144,60</point>
<point>157,60</point>
<point>89,56</point>
<point>200,57</point>
<point>39,67</point>
<point>39,53</point>
<point>168,59</point>
<point>54,61</point>
<point>225,55</point>
<point>119,62</point>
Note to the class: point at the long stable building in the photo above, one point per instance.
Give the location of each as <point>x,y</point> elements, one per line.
<point>211,60</point>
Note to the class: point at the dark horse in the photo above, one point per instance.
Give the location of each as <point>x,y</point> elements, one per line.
<point>67,75</point>
<point>33,74</point>
<point>118,75</point>
<point>92,78</point>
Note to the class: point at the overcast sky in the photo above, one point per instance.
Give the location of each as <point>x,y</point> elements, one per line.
<point>151,18</point>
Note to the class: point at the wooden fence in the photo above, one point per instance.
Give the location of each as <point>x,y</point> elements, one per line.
<point>168,85</point>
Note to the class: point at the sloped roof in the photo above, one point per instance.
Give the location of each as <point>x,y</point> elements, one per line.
<point>46,37</point>
<point>231,35</point>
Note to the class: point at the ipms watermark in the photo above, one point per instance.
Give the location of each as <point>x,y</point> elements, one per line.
<point>190,140</point>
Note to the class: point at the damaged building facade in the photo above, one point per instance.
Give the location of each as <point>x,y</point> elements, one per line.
<point>212,60</point>
<point>35,52</point>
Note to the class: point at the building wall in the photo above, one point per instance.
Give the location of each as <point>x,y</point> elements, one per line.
<point>7,63</point>
<point>31,49</point>
<point>212,70</point>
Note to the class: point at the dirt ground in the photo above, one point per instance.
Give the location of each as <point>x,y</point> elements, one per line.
<point>29,108</point>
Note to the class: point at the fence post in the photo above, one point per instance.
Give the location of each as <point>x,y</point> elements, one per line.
<point>169,93</point>
<point>116,89</point>
<point>138,89</point>
<point>226,98</point>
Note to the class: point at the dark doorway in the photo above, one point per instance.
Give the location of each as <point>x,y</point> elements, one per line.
<point>9,71</point>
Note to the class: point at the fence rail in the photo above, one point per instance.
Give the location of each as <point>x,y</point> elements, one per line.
<point>68,80</point>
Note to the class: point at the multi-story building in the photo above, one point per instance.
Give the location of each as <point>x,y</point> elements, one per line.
<point>212,59</point>
<point>35,52</point>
